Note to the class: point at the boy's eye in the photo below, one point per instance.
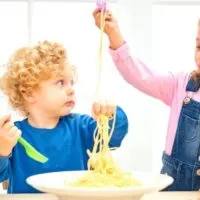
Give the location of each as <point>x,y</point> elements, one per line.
<point>63,82</point>
<point>60,82</point>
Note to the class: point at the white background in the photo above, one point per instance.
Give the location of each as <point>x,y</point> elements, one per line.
<point>162,36</point>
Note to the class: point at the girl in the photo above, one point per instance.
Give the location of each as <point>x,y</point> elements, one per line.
<point>181,159</point>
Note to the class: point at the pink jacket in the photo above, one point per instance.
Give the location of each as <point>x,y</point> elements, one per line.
<point>169,88</point>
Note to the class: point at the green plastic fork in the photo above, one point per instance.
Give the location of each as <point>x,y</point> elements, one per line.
<point>32,152</point>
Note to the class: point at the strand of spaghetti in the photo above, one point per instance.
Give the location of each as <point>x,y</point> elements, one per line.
<point>100,53</point>
<point>101,122</point>
<point>113,125</point>
<point>96,141</point>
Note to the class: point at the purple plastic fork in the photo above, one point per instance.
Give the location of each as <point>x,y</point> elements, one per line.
<point>101,4</point>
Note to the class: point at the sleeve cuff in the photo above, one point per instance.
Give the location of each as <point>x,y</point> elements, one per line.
<point>121,53</point>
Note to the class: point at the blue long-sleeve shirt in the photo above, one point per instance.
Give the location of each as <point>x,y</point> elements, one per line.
<point>65,146</point>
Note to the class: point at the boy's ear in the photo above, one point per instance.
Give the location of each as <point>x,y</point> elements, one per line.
<point>29,96</point>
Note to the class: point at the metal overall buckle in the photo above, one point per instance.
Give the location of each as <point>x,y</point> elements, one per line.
<point>186,100</point>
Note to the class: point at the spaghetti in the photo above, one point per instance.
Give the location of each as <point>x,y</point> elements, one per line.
<point>102,169</point>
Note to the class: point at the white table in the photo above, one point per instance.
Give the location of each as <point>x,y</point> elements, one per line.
<point>28,197</point>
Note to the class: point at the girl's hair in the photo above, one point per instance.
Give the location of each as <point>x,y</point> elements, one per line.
<point>196,73</point>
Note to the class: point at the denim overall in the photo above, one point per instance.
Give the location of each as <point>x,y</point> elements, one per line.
<point>184,162</point>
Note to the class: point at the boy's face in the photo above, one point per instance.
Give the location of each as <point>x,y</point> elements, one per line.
<point>56,96</point>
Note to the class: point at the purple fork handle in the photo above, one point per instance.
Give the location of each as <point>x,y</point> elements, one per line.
<point>101,5</point>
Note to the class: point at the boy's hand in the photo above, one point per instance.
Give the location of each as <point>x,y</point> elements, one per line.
<point>111,28</point>
<point>9,135</point>
<point>105,109</point>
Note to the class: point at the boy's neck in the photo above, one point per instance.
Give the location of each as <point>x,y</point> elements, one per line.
<point>43,121</point>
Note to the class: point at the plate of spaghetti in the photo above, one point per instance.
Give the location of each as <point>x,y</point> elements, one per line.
<point>67,185</point>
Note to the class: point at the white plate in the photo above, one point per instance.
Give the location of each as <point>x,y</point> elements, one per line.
<point>55,183</point>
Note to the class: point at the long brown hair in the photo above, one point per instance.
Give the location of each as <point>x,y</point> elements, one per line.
<point>196,73</point>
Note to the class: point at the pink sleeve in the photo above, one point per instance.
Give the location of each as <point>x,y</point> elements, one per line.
<point>142,78</point>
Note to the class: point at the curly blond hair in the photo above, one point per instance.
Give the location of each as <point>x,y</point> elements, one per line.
<point>28,67</point>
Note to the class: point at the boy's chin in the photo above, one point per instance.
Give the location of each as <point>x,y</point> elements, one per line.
<point>66,112</point>
<point>198,64</point>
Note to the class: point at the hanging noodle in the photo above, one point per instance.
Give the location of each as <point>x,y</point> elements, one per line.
<point>102,170</point>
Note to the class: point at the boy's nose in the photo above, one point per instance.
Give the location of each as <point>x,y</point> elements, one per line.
<point>70,91</point>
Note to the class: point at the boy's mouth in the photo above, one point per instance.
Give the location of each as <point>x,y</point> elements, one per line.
<point>70,103</point>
